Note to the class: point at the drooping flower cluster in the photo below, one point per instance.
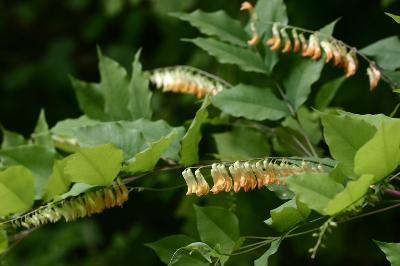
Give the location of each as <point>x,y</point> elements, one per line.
<point>185,79</point>
<point>244,175</point>
<point>70,209</point>
<point>315,46</point>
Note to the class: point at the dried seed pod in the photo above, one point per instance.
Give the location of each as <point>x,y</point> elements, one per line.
<point>287,43</point>
<point>374,76</point>
<point>297,45</point>
<point>327,47</point>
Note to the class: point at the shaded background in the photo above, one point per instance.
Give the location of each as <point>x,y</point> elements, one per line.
<point>43,41</point>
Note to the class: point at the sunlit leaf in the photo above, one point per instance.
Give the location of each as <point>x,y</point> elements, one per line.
<point>95,166</point>
<point>147,159</point>
<point>352,194</point>
<point>381,154</point>
<point>315,190</point>
<point>17,190</point>
<point>394,17</point>
<point>3,241</point>
<point>344,136</point>
<point>58,182</point>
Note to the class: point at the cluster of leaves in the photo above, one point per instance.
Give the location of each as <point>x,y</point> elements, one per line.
<point>116,137</point>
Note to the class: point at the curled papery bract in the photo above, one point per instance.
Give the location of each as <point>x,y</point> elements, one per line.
<point>287,43</point>
<point>190,181</point>
<point>246,175</point>
<point>374,76</point>
<point>304,44</point>
<point>275,41</point>
<point>317,48</point>
<point>185,79</point>
<point>327,48</point>
<point>337,56</point>
<point>254,40</point>
<point>352,64</point>
<point>73,208</point>
<point>202,185</point>
<point>296,45</point>
<point>246,6</point>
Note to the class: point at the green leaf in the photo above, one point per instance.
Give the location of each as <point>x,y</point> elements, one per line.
<point>139,104</point>
<point>147,159</point>
<point>65,128</point>
<point>385,52</point>
<point>375,120</point>
<point>300,74</point>
<point>217,227</point>
<point>38,159</point>
<point>41,134</point>
<point>95,166</point>
<point>127,139</point>
<point>315,190</point>
<point>293,142</point>
<point>394,17</point>
<point>217,24</point>
<point>344,136</point>
<point>166,247</point>
<point>263,260</point>
<point>327,92</point>
<point>309,122</point>
<point>58,182</point>
<point>204,250</point>
<point>391,250</point>
<point>11,139</point>
<point>191,140</point>
<point>3,241</point>
<point>76,190</point>
<point>90,98</point>
<point>17,190</point>
<point>155,130</point>
<point>353,194</point>
<point>381,154</point>
<point>241,143</point>
<point>244,58</point>
<point>286,216</point>
<point>114,84</point>
<point>251,102</point>
<point>269,10</point>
